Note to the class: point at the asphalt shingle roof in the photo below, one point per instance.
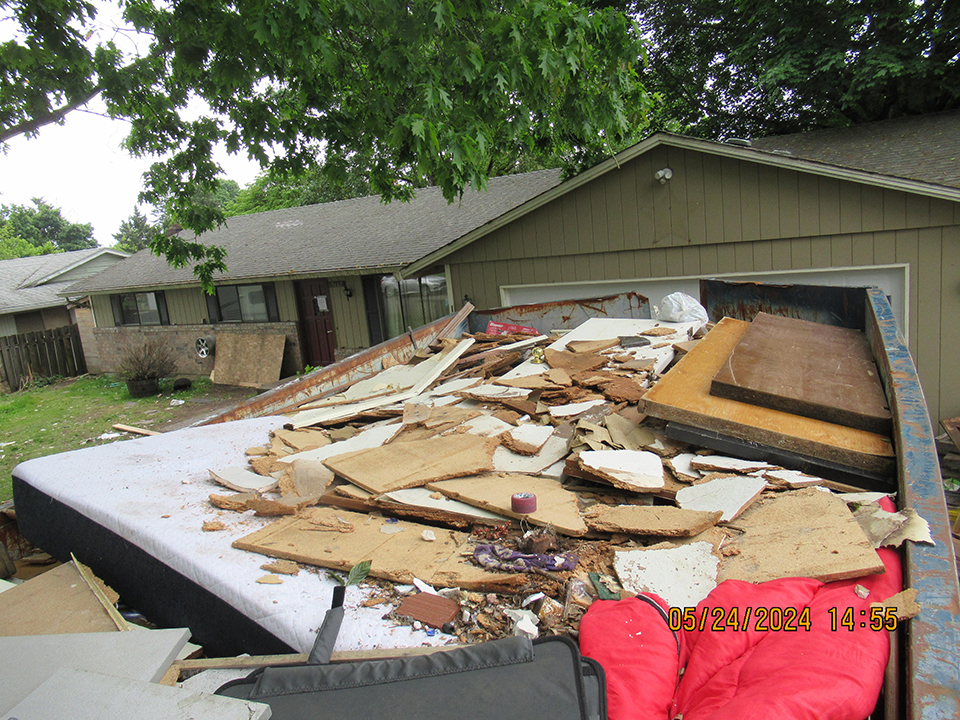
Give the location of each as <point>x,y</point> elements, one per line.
<point>17,277</point>
<point>924,147</point>
<point>348,235</point>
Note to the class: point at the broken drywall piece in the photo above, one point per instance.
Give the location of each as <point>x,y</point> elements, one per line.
<point>83,695</point>
<point>793,479</point>
<point>904,603</point>
<point>721,463</point>
<point>425,498</point>
<point>526,439</point>
<point>243,480</point>
<point>682,469</point>
<point>373,436</point>
<point>729,495</point>
<point>626,433</point>
<point>485,426</point>
<point>415,413</point>
<point>556,506</point>
<point>494,393</point>
<point>683,576</point>
<point>235,503</point>
<point>890,529</point>
<point>305,439</point>
<point>310,478</point>
<point>284,567</point>
<point>636,470</point>
<point>26,662</point>
<point>658,520</point>
<point>573,362</point>
<point>799,533</point>
<point>415,463</point>
<point>592,346</point>
<point>552,451</point>
<point>573,409</point>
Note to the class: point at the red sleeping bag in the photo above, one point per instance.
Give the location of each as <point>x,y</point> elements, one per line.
<point>825,672</point>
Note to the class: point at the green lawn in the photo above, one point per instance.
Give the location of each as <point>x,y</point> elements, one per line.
<point>73,413</point>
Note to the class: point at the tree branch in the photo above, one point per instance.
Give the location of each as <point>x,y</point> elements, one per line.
<point>54,116</point>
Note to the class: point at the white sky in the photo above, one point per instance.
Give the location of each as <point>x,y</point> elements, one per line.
<point>80,166</point>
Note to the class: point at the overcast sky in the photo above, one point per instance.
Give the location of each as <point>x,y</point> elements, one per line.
<point>80,166</point>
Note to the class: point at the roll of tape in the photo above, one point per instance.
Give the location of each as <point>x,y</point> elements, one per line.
<point>523,503</point>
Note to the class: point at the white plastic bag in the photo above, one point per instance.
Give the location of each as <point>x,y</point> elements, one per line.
<point>680,307</point>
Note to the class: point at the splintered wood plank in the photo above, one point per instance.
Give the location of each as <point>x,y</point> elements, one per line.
<point>806,368</point>
<point>415,463</point>
<point>683,395</point>
<point>801,533</point>
<point>658,520</point>
<point>248,359</point>
<point>556,506</point>
<point>339,539</point>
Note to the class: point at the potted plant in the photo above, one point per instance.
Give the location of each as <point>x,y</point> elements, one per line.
<point>142,367</point>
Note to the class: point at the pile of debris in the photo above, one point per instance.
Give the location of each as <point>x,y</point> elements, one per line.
<point>512,480</point>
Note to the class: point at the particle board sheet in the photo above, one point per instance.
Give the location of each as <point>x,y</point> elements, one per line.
<point>801,533</point>
<point>56,602</point>
<point>248,359</point>
<point>657,520</point>
<point>683,395</point>
<point>339,539</point>
<point>808,369</point>
<point>415,463</point>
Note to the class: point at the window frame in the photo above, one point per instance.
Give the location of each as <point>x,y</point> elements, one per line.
<point>116,303</point>
<point>215,311</point>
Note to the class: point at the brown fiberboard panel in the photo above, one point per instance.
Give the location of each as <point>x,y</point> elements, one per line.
<point>54,603</point>
<point>339,539</point>
<point>412,464</point>
<point>248,359</point>
<point>683,395</point>
<point>801,533</point>
<point>657,520</point>
<point>806,368</point>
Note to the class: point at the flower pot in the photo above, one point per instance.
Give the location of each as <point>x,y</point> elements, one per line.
<point>143,388</point>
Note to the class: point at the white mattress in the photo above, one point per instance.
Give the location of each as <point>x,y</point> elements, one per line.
<point>153,491</point>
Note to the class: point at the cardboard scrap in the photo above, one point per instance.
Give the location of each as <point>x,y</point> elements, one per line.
<point>636,470</point>
<point>730,495</point>
<point>243,480</point>
<point>399,558</point>
<point>415,463</point>
<point>660,520</point>
<point>556,506</point>
<point>799,533</point>
<point>683,576</point>
<point>626,434</point>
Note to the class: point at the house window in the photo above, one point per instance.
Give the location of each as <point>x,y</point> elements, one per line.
<point>244,303</point>
<point>147,308</point>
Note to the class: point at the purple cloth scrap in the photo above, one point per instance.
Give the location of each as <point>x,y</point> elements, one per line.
<point>495,557</point>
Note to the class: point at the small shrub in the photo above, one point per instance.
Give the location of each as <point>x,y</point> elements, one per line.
<point>151,359</point>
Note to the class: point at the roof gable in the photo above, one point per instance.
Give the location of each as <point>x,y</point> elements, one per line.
<point>31,283</point>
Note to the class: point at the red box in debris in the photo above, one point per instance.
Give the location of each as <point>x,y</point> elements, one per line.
<point>498,328</point>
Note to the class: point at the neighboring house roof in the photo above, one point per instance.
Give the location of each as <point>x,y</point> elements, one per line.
<point>30,283</point>
<point>908,144</point>
<point>921,147</point>
<point>344,236</point>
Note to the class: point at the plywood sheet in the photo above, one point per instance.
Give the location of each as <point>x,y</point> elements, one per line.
<point>555,505</point>
<point>58,601</point>
<point>248,359</point>
<point>683,395</point>
<point>413,464</point>
<point>339,539</point>
<point>808,369</point>
<point>658,520</point>
<point>801,533</point>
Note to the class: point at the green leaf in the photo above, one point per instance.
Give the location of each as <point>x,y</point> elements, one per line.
<point>358,573</point>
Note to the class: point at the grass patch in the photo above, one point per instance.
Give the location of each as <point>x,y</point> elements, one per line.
<point>73,413</point>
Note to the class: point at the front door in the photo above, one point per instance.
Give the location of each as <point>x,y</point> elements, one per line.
<point>317,341</point>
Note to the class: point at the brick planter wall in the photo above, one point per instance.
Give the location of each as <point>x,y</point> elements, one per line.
<point>114,342</point>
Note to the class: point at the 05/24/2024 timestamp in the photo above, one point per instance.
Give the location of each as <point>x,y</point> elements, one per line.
<point>779,619</point>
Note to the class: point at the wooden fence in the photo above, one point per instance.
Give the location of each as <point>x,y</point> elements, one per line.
<point>44,353</point>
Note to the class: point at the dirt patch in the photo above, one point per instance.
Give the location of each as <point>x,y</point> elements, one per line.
<point>197,408</point>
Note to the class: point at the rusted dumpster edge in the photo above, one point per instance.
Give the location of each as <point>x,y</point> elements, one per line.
<point>932,668</point>
<point>356,367</point>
